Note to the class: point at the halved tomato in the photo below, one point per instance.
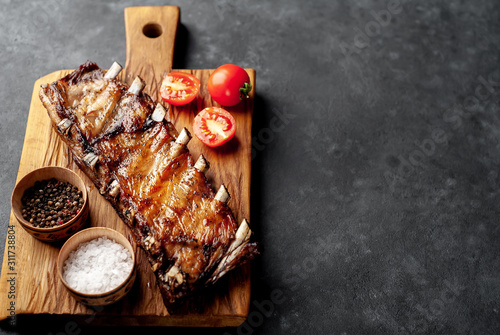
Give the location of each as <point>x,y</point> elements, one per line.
<point>214,126</point>
<point>179,88</point>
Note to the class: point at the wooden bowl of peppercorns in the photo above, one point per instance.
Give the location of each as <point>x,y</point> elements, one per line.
<point>50,203</point>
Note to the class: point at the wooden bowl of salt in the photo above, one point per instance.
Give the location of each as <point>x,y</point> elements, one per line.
<point>97,266</point>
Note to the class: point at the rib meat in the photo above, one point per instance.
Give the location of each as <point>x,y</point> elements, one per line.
<point>144,169</point>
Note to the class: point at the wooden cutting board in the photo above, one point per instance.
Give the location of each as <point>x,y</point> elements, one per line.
<point>150,33</point>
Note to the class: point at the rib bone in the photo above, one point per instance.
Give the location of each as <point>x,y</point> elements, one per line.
<point>115,188</point>
<point>222,194</point>
<point>91,159</point>
<point>149,241</point>
<point>184,137</point>
<point>181,141</point>
<point>174,273</point>
<point>155,266</point>
<point>64,125</point>
<point>113,71</point>
<point>202,164</point>
<point>130,214</point>
<point>242,238</point>
<point>137,86</point>
<point>159,113</point>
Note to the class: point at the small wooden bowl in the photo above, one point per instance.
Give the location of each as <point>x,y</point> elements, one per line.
<point>86,235</point>
<point>57,233</point>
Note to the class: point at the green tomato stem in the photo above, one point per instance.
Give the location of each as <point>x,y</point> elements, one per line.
<point>245,90</point>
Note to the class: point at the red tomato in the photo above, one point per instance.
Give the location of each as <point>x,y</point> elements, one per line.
<point>179,88</point>
<point>229,84</point>
<point>214,126</point>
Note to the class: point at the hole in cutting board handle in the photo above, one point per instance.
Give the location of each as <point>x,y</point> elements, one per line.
<point>152,30</point>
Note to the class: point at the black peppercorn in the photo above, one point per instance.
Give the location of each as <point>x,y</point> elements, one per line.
<point>51,202</point>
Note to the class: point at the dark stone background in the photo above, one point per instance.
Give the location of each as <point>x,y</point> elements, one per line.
<point>376,200</point>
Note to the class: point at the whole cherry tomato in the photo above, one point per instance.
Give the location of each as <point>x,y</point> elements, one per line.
<point>229,84</point>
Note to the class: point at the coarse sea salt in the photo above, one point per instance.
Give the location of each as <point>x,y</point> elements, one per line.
<point>97,266</point>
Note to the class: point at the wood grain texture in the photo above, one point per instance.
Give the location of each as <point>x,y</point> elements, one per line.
<point>150,57</point>
<point>39,291</point>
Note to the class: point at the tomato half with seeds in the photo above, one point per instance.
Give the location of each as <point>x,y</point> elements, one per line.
<point>179,88</point>
<point>214,126</point>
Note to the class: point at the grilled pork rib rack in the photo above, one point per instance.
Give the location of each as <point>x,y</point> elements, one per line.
<point>139,162</point>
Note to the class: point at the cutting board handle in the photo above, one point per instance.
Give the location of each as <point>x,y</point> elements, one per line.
<point>150,34</point>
